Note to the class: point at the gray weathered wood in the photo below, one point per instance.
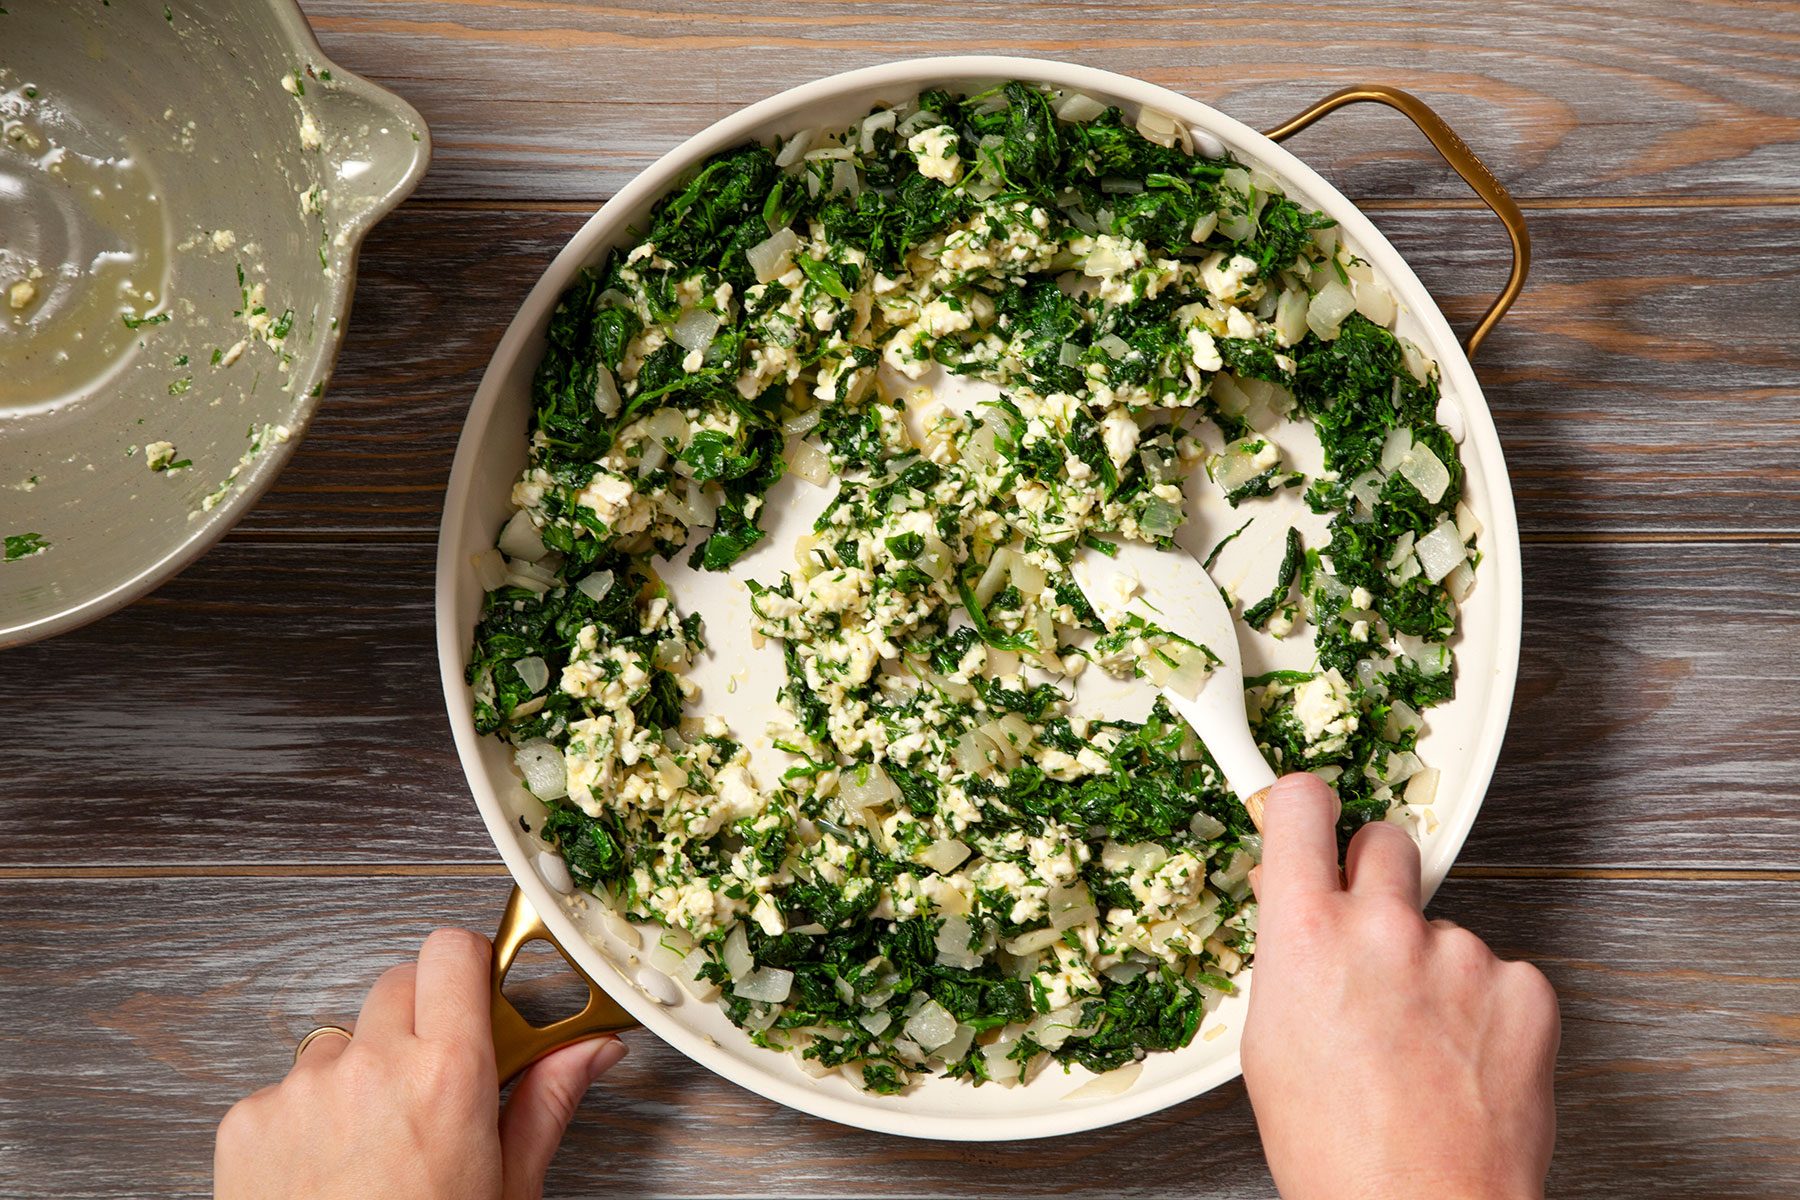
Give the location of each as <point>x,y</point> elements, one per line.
<point>149,1006</point>
<point>280,705</point>
<point>276,710</point>
<point>565,100</point>
<point>1645,383</point>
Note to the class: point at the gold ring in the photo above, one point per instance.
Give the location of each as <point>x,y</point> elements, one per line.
<point>321,1031</point>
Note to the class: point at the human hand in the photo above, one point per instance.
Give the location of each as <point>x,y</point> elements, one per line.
<point>410,1106</point>
<point>1385,1055</point>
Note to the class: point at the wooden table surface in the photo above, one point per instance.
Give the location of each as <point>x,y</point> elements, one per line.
<point>227,808</point>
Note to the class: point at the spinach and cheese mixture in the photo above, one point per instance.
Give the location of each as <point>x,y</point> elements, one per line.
<point>958,873</point>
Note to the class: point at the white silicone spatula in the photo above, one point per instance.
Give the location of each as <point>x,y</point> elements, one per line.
<point>1171,590</point>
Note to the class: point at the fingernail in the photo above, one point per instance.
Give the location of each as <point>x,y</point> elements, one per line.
<point>607,1052</point>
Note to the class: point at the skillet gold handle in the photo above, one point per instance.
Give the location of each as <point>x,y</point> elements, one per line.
<point>517,1042</point>
<point>1456,152</point>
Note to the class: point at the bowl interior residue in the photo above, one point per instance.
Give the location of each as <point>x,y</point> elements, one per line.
<point>165,173</point>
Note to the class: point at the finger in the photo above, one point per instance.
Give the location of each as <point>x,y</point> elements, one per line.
<point>1383,860</point>
<point>451,993</point>
<point>387,1011</point>
<point>545,1099</point>
<point>1444,923</point>
<point>322,1052</point>
<point>1299,839</point>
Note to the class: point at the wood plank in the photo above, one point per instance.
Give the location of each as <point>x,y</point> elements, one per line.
<point>279,704</point>
<point>1645,382</point>
<point>537,99</point>
<point>144,1008</point>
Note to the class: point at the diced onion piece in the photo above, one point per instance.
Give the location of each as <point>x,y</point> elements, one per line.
<point>1234,875</point>
<point>800,423</point>
<point>736,954</point>
<point>606,392</point>
<point>1033,941</point>
<point>1125,972</point>
<point>520,539</point>
<point>1290,316</point>
<point>1402,766</point>
<point>1440,551</point>
<point>1205,825</point>
<point>1070,906</point>
<point>1395,447</point>
<point>761,1017</point>
<point>541,763</point>
<point>970,758</point>
<point>874,124</point>
<point>994,577</point>
<point>1160,519</point>
<point>595,585</point>
<point>1467,523</point>
<point>935,559</point>
<point>619,929</point>
<point>1158,127</point>
<point>1417,365</point>
<point>1203,228</point>
<point>944,855</point>
<point>1052,1029</point>
<point>1236,465</point>
<point>867,786</point>
<point>672,958</point>
<point>1115,1082</point>
<point>527,583</point>
<point>490,569</point>
<point>1329,306</point>
<point>932,1026</point>
<point>668,425</point>
<point>534,671</point>
<point>1401,718</point>
<point>1115,346</point>
<point>1375,302</point>
<point>1460,581</point>
<point>844,178</point>
<point>703,506</point>
<point>536,572</point>
<point>1229,395</point>
<point>1027,576</point>
<point>771,257</point>
<point>1422,788</point>
<point>808,461</point>
<point>1426,472</point>
<point>1403,548</point>
<point>953,944</point>
<point>1185,675</point>
<point>958,1046</point>
<point>1233,223</point>
<point>696,329</point>
<point>769,985</point>
<point>1078,109</point>
<point>1367,489</point>
<point>796,147</point>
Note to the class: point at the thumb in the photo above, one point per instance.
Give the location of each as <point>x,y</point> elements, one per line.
<point>532,1125</point>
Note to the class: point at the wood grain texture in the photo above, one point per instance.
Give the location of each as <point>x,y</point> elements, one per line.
<point>1646,382</point>
<point>275,712</point>
<point>533,99</point>
<point>156,1004</point>
<point>280,705</point>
